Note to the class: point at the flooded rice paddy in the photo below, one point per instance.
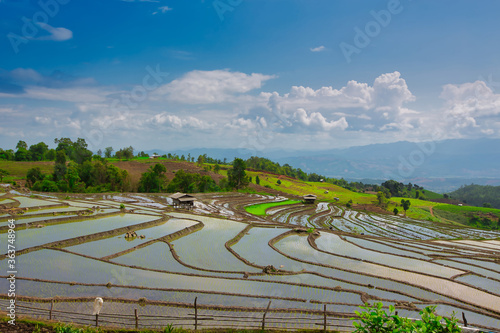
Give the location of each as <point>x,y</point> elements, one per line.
<point>176,255</point>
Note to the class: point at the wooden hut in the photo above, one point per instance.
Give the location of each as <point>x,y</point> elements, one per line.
<point>309,198</point>
<point>183,199</point>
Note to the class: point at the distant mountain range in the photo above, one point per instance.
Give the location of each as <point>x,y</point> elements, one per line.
<point>439,166</point>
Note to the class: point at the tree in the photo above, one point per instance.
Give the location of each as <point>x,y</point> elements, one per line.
<point>60,166</point>
<point>395,211</point>
<point>23,155</point>
<point>72,176</point>
<point>217,168</point>
<point>99,153</point>
<point>237,176</point>
<point>406,204</point>
<point>79,152</point>
<point>382,199</point>
<point>33,175</point>
<point>22,144</point>
<point>200,160</point>
<point>50,155</point>
<point>257,180</point>
<point>154,179</point>
<point>38,151</point>
<point>190,182</point>
<point>108,151</point>
<point>3,173</point>
<point>64,144</point>
<point>278,182</point>
<point>417,194</point>
<point>486,205</point>
<point>7,155</point>
<point>126,153</point>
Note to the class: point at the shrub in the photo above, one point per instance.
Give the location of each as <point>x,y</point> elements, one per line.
<point>374,319</point>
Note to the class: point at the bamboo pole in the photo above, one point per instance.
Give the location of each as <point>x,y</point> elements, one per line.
<point>195,314</point>
<point>264,316</point>
<point>51,308</point>
<point>136,319</point>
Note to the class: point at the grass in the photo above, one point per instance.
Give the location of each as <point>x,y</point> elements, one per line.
<point>260,209</point>
<point>467,209</point>
<point>422,213</point>
<point>300,188</point>
<point>69,328</point>
<point>449,216</point>
<point>18,170</point>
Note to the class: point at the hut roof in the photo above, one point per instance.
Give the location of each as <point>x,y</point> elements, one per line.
<point>186,199</point>
<point>182,197</point>
<point>309,196</point>
<point>178,195</point>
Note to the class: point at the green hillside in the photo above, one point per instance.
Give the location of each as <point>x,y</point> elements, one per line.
<point>478,195</point>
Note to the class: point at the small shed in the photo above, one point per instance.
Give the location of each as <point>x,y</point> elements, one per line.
<point>182,199</point>
<point>154,156</point>
<point>309,198</point>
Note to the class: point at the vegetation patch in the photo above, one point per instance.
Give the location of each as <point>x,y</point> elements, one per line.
<point>260,209</point>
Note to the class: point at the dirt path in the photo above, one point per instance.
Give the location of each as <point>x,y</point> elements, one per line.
<point>432,212</point>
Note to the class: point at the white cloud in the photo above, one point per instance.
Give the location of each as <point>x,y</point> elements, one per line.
<point>470,108</point>
<point>163,10</point>
<point>56,34</point>
<point>316,121</point>
<point>317,49</point>
<point>43,120</point>
<point>380,104</point>
<point>75,95</point>
<point>205,87</point>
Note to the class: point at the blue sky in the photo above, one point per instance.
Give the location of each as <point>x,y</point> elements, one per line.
<point>250,74</point>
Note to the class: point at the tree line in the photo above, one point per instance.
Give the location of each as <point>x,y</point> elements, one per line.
<point>153,180</point>
<point>478,195</point>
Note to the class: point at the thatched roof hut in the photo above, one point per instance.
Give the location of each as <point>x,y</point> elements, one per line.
<point>309,198</point>
<point>182,199</point>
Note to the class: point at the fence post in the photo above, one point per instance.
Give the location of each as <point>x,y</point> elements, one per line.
<point>324,321</point>
<point>195,314</point>
<point>96,320</point>
<point>51,308</point>
<point>136,319</point>
<point>264,316</point>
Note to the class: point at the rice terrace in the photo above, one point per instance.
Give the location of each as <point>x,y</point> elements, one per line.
<point>147,255</point>
<point>249,166</point>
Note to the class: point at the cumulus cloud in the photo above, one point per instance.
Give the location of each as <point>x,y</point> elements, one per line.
<point>316,121</point>
<point>226,105</point>
<point>388,91</point>
<point>471,109</point>
<point>381,105</point>
<point>391,90</point>
<point>317,49</point>
<point>205,87</point>
<point>174,121</point>
<point>55,34</point>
